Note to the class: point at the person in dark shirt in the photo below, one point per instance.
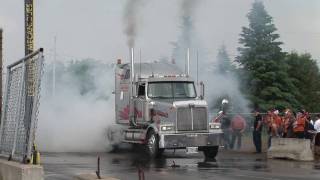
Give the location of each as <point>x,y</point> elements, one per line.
<point>225,126</point>
<point>257,128</point>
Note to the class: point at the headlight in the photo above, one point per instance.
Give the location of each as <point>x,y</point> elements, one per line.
<point>167,128</point>
<point>215,126</point>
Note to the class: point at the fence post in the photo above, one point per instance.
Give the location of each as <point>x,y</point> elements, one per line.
<point>35,104</point>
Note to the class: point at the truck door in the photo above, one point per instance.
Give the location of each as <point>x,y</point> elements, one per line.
<point>140,103</point>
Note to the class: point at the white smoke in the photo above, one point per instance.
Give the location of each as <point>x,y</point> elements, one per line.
<point>218,85</point>
<point>72,121</point>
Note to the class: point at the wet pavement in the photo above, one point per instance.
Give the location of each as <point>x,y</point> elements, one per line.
<point>229,165</point>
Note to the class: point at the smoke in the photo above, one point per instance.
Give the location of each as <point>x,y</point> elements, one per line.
<point>130,19</point>
<point>224,86</point>
<point>222,82</point>
<point>188,37</point>
<point>76,118</point>
<point>187,11</point>
<point>218,85</point>
<point>187,7</point>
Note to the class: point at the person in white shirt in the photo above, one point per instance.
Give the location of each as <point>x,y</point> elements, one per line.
<point>317,123</point>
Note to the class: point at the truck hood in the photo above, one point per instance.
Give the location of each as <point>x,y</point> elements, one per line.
<point>183,103</point>
<point>187,103</point>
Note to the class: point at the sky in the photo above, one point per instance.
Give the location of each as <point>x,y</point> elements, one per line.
<point>95,28</point>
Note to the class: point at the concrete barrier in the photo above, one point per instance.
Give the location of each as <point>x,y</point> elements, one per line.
<point>291,148</point>
<point>10,170</point>
<point>92,177</point>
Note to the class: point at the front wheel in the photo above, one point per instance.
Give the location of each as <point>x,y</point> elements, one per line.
<point>152,145</point>
<point>210,152</point>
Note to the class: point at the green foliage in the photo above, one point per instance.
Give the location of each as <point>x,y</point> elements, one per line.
<point>81,70</point>
<point>306,76</point>
<point>266,81</point>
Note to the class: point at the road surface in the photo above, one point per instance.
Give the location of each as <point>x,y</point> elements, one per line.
<point>229,165</point>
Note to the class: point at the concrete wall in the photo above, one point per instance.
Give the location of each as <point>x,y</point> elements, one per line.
<point>10,170</point>
<point>291,148</point>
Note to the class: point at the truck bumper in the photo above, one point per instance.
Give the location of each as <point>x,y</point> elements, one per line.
<point>172,141</point>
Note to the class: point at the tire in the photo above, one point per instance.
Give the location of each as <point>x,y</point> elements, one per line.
<point>210,152</point>
<point>152,145</point>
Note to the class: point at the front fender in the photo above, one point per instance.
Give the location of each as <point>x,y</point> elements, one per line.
<point>153,126</point>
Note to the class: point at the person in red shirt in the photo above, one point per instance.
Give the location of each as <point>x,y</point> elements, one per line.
<point>238,126</point>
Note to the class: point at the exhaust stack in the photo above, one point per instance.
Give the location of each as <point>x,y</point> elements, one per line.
<point>132,67</point>
<point>132,88</point>
<point>188,62</point>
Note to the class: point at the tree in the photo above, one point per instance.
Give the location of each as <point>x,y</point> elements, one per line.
<point>224,65</point>
<point>306,76</point>
<point>261,58</point>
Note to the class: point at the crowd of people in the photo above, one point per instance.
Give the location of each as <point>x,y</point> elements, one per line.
<point>287,124</point>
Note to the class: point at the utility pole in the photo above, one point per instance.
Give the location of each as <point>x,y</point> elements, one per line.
<point>1,62</point>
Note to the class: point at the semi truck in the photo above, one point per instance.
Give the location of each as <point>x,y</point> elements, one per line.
<point>159,107</point>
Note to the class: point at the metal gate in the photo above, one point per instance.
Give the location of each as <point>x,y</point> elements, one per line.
<point>20,107</point>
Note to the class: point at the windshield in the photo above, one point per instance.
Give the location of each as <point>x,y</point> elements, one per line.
<point>171,90</point>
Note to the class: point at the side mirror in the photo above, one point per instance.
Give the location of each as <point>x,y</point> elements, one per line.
<point>201,90</point>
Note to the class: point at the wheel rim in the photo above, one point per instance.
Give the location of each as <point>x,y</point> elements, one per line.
<point>151,144</point>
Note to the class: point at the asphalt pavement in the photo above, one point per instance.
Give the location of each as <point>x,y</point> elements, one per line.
<point>178,165</point>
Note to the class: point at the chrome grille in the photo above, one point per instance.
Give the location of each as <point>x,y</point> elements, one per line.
<point>184,121</point>
<point>199,118</point>
<point>194,118</point>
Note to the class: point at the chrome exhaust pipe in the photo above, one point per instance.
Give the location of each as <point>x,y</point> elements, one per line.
<point>188,62</point>
<point>132,88</point>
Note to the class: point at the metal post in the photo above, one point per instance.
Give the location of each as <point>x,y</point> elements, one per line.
<point>98,169</point>
<point>35,104</point>
<point>1,63</point>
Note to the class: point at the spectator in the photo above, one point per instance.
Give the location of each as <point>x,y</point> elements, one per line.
<point>274,121</point>
<point>288,123</point>
<point>225,126</point>
<point>309,127</point>
<point>317,123</point>
<point>299,125</point>
<point>238,126</point>
<point>257,128</point>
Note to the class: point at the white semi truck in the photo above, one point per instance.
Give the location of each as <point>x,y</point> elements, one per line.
<point>157,105</point>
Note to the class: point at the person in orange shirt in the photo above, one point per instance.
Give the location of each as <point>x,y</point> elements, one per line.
<point>299,125</point>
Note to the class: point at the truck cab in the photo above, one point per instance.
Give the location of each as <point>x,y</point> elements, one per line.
<point>162,108</point>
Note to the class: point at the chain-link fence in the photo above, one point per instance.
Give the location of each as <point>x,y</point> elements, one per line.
<point>20,107</point>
